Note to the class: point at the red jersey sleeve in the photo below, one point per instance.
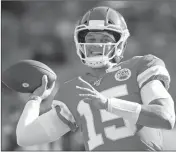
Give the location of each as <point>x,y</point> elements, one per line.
<point>152,68</point>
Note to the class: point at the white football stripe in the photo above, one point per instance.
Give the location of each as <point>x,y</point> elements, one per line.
<point>153,90</point>
<point>155,70</point>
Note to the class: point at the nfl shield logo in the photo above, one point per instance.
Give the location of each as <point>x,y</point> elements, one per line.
<point>123,74</point>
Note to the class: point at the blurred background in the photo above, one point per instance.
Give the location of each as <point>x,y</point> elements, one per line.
<point>43,31</point>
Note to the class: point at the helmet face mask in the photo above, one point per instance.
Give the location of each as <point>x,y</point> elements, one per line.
<point>96,57</point>
<point>112,23</point>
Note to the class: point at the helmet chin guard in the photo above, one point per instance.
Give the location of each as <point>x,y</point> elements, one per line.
<point>96,62</point>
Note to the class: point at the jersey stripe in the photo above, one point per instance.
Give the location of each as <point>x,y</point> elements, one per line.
<point>117,91</point>
<point>152,91</point>
<point>152,71</point>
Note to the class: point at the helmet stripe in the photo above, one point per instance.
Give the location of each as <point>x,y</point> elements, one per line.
<point>98,14</point>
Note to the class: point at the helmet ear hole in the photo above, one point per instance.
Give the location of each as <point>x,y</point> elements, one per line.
<point>118,53</point>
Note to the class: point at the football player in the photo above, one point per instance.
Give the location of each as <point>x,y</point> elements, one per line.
<point>119,105</point>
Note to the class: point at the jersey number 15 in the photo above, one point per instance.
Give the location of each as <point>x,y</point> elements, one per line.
<point>111,132</point>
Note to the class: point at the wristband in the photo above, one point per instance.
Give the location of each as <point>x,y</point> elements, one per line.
<point>126,109</point>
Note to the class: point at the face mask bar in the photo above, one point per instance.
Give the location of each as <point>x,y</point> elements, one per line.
<point>83,47</point>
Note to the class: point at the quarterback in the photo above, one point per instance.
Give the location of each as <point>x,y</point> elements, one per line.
<point>119,105</point>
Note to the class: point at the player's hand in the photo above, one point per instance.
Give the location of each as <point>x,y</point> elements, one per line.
<point>90,94</point>
<point>43,91</point>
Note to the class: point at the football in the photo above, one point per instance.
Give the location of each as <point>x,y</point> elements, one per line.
<point>26,75</point>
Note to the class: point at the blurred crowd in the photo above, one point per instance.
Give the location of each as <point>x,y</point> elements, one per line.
<point>43,31</point>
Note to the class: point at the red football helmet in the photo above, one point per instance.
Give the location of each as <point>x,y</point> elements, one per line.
<point>101,19</point>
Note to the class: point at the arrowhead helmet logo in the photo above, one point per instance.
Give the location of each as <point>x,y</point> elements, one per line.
<point>123,74</point>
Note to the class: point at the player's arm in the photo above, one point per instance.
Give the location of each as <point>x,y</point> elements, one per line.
<point>33,129</point>
<point>157,110</point>
<point>158,105</point>
<point>158,113</point>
